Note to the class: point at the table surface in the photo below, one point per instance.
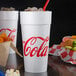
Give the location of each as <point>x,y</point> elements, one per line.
<point>56,67</point>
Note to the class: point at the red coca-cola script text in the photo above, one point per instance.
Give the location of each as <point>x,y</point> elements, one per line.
<point>32,49</point>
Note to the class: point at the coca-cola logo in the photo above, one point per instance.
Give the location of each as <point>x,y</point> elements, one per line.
<point>10,32</point>
<point>36,46</point>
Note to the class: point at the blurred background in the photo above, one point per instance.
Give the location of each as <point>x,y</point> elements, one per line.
<point>63,17</point>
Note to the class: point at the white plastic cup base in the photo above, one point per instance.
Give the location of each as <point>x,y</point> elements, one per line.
<point>12,61</point>
<point>38,66</point>
<point>35,71</point>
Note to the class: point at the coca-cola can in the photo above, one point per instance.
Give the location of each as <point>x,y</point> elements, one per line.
<point>8,24</point>
<point>35,34</point>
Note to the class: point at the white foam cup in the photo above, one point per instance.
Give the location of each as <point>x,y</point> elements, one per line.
<point>35,34</point>
<point>8,24</point>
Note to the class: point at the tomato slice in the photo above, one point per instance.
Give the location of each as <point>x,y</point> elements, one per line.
<point>66,38</point>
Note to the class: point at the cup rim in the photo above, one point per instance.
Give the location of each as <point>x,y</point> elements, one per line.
<point>10,11</point>
<point>36,11</point>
